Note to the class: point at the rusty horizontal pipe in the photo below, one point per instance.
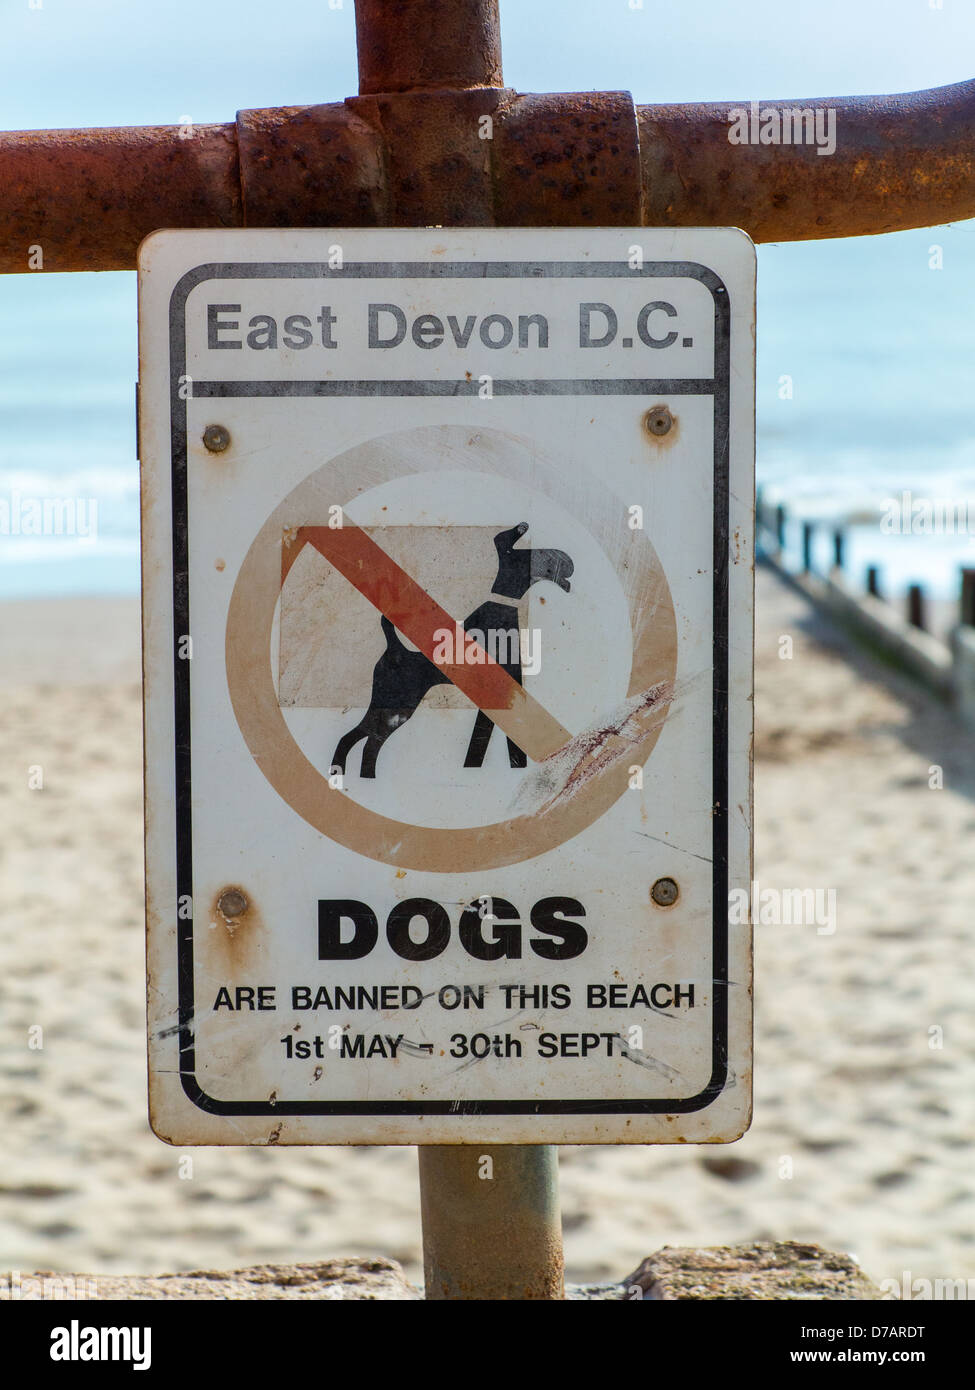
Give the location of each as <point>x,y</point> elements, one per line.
<point>899,162</point>
<point>485,156</point>
<point>414,45</point>
<point>84,199</point>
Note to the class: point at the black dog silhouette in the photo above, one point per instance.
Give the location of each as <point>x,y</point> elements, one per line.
<point>402,677</point>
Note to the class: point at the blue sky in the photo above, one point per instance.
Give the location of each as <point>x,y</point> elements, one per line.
<point>108,62</point>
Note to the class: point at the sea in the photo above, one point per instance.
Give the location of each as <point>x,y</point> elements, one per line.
<point>865,406</point>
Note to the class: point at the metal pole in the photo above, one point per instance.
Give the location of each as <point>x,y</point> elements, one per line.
<point>564,159</point>
<point>419,45</point>
<point>491,1224</point>
<point>911,151</point>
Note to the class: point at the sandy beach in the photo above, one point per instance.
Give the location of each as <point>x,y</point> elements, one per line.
<point>863,1121</point>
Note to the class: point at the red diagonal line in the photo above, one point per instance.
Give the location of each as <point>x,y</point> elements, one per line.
<point>419,618</point>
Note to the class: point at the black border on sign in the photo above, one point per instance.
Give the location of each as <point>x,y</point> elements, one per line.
<point>719,386</point>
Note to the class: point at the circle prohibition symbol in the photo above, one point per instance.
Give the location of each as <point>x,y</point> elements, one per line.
<point>576,779</point>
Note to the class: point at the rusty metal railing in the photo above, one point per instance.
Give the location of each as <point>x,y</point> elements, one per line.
<point>435,137</point>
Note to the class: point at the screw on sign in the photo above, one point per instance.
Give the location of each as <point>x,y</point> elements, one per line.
<point>665,892</point>
<point>216,438</point>
<point>658,420</point>
<point>370,919</point>
<point>232,903</point>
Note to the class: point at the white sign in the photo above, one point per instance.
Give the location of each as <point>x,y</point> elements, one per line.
<point>448,631</point>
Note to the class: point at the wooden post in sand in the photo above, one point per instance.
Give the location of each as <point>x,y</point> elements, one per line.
<point>915,606</point>
<point>967,613</point>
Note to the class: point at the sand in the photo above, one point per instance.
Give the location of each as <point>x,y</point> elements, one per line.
<point>872,1121</point>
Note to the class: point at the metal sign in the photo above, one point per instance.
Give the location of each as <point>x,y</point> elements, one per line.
<point>447,620</point>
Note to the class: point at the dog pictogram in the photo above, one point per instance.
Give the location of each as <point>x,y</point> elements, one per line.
<point>402,677</point>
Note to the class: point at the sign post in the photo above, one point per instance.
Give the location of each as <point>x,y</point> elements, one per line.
<point>491,1222</point>
<point>447,572</point>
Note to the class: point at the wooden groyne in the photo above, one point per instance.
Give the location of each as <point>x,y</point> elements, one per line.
<point>899,628</point>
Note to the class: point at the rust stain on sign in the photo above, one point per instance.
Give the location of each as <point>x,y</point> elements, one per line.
<point>235,924</point>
